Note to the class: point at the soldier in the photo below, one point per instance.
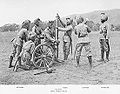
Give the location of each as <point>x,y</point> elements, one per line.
<point>38,31</point>
<point>19,40</point>
<point>50,39</point>
<point>104,38</point>
<point>82,30</point>
<point>67,40</point>
<point>26,53</point>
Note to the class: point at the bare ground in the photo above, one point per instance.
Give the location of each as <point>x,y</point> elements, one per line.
<point>65,73</point>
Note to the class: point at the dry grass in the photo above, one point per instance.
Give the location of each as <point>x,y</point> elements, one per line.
<point>65,73</point>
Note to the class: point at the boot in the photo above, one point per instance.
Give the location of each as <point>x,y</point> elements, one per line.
<point>19,61</point>
<point>58,60</point>
<point>24,67</point>
<point>107,56</point>
<point>65,56</point>
<point>10,62</point>
<point>90,61</point>
<point>102,56</point>
<point>77,60</point>
<point>17,64</point>
<point>15,68</point>
<point>49,70</point>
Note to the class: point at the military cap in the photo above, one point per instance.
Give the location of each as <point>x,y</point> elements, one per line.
<point>79,20</point>
<point>50,23</point>
<point>31,35</point>
<point>86,20</point>
<point>36,20</point>
<point>68,18</point>
<point>71,20</point>
<point>26,24</point>
<point>104,17</point>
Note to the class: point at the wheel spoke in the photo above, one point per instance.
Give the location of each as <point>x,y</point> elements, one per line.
<point>39,57</point>
<point>37,53</point>
<point>38,63</point>
<point>47,52</point>
<point>42,62</point>
<point>41,49</point>
<point>46,63</point>
<point>49,59</point>
<point>49,55</point>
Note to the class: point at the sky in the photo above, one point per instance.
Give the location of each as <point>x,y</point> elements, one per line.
<point>16,11</point>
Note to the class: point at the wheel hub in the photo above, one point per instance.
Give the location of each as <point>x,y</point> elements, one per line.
<point>44,56</point>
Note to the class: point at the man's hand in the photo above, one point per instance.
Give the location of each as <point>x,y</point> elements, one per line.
<point>58,17</point>
<point>56,42</point>
<point>56,27</point>
<point>101,32</point>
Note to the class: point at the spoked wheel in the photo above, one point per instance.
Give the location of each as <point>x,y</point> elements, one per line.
<point>43,56</point>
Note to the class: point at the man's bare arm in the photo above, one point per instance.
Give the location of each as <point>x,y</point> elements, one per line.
<point>64,29</point>
<point>58,17</point>
<point>88,29</point>
<point>62,22</point>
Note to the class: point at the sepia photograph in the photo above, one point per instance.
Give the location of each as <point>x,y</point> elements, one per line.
<point>60,42</point>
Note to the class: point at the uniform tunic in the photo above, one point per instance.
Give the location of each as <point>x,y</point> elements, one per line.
<point>49,37</point>
<point>67,34</point>
<point>82,30</point>
<point>18,41</point>
<point>104,31</point>
<point>38,32</point>
<point>104,36</point>
<point>67,40</point>
<point>22,36</point>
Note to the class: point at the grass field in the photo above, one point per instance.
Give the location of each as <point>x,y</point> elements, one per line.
<point>65,73</point>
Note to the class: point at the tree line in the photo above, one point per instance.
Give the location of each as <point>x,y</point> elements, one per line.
<point>94,26</point>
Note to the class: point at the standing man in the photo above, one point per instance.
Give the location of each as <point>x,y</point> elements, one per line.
<point>38,31</point>
<point>104,38</point>
<point>22,37</point>
<point>82,30</point>
<point>67,39</point>
<point>50,39</point>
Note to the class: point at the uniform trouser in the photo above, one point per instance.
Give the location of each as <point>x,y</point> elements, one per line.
<point>16,50</point>
<point>55,50</point>
<point>66,49</point>
<point>79,48</point>
<point>105,47</point>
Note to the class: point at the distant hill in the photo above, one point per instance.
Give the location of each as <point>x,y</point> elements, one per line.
<point>9,27</point>
<point>114,16</point>
<point>94,17</point>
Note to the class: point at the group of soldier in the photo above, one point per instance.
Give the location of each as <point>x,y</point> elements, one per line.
<point>26,41</point>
